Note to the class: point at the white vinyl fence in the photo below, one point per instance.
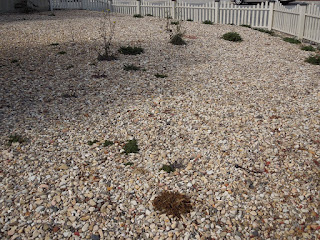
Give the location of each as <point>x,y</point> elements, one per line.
<point>302,21</point>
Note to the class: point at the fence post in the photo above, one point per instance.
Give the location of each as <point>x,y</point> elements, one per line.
<point>271,12</point>
<point>216,11</point>
<point>173,9</point>
<point>110,5</point>
<point>138,11</point>
<point>302,18</point>
<point>51,5</point>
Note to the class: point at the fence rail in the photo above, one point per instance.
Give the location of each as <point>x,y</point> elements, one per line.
<point>302,21</point>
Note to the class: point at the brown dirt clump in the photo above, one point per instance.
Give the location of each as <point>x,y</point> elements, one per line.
<point>172,203</point>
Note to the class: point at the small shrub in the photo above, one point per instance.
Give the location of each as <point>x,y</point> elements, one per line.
<point>107,143</point>
<point>131,50</point>
<point>291,40</point>
<point>207,22</point>
<point>232,36</point>
<point>128,164</point>
<point>106,57</point>
<point>15,139</point>
<point>177,40</point>
<point>131,147</point>
<point>62,52</point>
<point>264,31</point>
<point>167,168</point>
<point>175,22</point>
<point>190,20</point>
<point>14,61</point>
<point>54,44</point>
<point>90,143</point>
<point>245,25</point>
<point>308,48</point>
<point>315,60</point>
<point>130,67</point>
<point>137,16</point>
<point>160,75</point>
<point>149,15</point>
<point>172,203</point>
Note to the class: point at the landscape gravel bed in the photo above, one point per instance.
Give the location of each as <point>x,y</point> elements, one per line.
<point>240,121</point>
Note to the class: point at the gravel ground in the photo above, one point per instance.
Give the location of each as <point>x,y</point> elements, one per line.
<point>241,119</point>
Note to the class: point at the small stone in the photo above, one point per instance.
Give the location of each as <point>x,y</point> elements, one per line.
<point>253,213</point>
<point>95,237</point>
<point>85,227</point>
<point>92,203</point>
<point>40,209</point>
<point>63,167</point>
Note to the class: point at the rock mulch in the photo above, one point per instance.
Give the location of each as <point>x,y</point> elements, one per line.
<point>239,121</point>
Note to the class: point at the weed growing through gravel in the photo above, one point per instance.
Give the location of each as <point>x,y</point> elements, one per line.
<point>291,40</point>
<point>90,143</point>
<point>314,60</point>
<point>172,203</point>
<point>190,20</point>
<point>308,48</point>
<point>54,44</point>
<point>15,139</point>
<point>137,16</point>
<point>130,67</point>
<point>128,164</point>
<point>245,25</point>
<point>131,50</point>
<point>149,15</point>
<point>174,22</point>
<point>264,31</point>
<point>232,36</point>
<point>131,147</point>
<point>14,61</point>
<point>207,22</point>
<point>158,75</point>
<point>177,40</point>
<point>62,52</point>
<point>167,168</point>
<point>107,143</point>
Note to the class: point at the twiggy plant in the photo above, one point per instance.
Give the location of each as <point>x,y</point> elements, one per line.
<point>107,32</point>
<point>175,31</point>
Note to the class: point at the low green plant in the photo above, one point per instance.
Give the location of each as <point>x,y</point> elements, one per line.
<point>207,22</point>
<point>232,36</point>
<point>90,143</point>
<point>175,22</point>
<point>177,40</point>
<point>149,15</point>
<point>130,67</point>
<point>54,44</point>
<point>158,75</point>
<point>315,60</point>
<point>167,168</point>
<point>291,40</point>
<point>128,164</point>
<point>131,50</point>
<point>14,61</point>
<point>264,31</point>
<point>62,52</point>
<point>308,48</point>
<point>131,147</point>
<point>137,16</point>
<point>107,143</point>
<point>190,20</point>
<point>245,25</point>
<point>15,139</point>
